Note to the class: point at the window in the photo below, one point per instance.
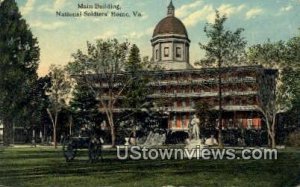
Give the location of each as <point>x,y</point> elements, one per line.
<point>240,123</point>
<point>178,52</point>
<point>166,51</point>
<point>250,123</point>
<point>183,121</point>
<point>230,123</point>
<point>174,122</point>
<point>192,104</point>
<point>156,53</point>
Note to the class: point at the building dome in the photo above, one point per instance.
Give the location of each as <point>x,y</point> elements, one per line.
<point>170,42</point>
<point>170,25</point>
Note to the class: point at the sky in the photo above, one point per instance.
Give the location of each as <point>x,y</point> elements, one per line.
<point>59,36</point>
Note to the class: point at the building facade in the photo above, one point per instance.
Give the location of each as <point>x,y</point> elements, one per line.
<point>242,90</point>
<point>181,86</point>
<point>177,88</point>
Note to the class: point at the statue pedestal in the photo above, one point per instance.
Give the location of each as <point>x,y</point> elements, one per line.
<point>193,148</point>
<point>126,141</point>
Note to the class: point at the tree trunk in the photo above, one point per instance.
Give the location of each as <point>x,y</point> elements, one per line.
<point>134,131</point>
<point>7,133</point>
<point>54,130</point>
<point>54,125</point>
<point>113,135</point>
<point>273,141</point>
<point>33,142</point>
<point>112,129</point>
<point>54,137</point>
<point>110,118</point>
<point>134,135</point>
<point>70,124</point>
<point>220,106</point>
<point>273,133</point>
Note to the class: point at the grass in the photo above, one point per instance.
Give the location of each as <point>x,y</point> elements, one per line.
<point>47,167</point>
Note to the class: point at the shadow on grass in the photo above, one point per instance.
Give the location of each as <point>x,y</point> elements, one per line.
<point>29,165</point>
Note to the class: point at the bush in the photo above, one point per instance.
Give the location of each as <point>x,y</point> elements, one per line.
<point>293,139</point>
<point>176,137</point>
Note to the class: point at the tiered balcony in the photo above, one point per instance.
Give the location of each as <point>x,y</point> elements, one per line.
<point>201,81</point>
<point>201,94</point>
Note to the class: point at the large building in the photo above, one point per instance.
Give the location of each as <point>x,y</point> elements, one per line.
<point>242,89</point>
<point>181,85</point>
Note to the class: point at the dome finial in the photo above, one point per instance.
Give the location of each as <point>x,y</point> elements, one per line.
<point>171,9</point>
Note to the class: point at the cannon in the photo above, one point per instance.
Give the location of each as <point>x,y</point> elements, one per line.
<point>92,143</point>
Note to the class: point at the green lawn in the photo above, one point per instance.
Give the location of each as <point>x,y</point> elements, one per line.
<point>47,167</point>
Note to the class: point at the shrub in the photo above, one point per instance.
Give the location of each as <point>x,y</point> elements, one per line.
<point>293,139</point>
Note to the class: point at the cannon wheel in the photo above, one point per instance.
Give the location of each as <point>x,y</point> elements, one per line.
<point>94,149</point>
<point>69,149</point>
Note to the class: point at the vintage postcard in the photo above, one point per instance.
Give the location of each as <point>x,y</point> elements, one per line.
<point>149,93</point>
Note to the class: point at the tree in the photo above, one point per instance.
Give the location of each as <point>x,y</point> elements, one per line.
<point>102,69</point>
<point>19,60</point>
<point>58,93</point>
<point>43,84</point>
<point>35,105</point>
<point>291,72</point>
<point>285,57</point>
<point>202,110</point>
<point>84,107</point>
<point>224,48</point>
<point>136,92</point>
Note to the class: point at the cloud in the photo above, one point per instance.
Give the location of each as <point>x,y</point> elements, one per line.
<point>137,35</point>
<point>145,16</point>
<point>252,13</point>
<point>207,13</point>
<point>47,26</point>
<point>130,36</point>
<point>28,7</point>
<point>56,5</point>
<point>286,8</point>
<point>229,10</point>
<point>186,9</point>
<point>107,35</point>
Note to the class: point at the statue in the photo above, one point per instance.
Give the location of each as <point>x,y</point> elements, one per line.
<point>195,123</point>
<point>194,142</point>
